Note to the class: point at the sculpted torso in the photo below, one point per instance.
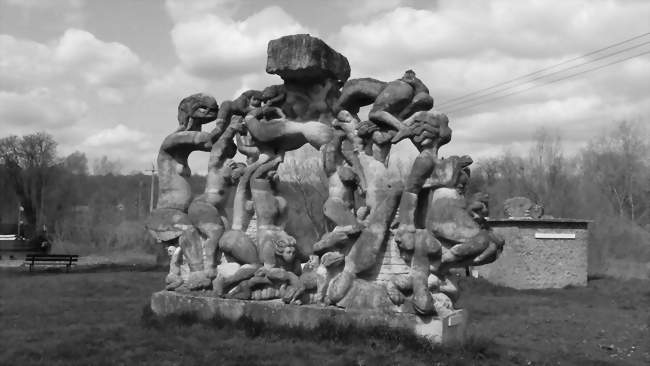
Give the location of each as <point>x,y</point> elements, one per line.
<point>173,172</point>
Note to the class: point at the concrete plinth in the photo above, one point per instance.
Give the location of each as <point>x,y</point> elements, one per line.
<point>539,253</point>
<point>275,313</point>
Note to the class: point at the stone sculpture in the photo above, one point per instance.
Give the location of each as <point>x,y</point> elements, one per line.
<point>169,219</point>
<point>522,207</point>
<point>393,254</point>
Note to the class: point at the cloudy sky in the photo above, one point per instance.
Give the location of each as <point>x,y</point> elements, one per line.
<point>105,77</point>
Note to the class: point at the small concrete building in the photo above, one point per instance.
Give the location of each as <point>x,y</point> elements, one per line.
<point>539,253</point>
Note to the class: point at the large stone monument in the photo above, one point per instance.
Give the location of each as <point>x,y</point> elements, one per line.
<point>386,260</point>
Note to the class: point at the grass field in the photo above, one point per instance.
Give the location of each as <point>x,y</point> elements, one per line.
<point>96,318</point>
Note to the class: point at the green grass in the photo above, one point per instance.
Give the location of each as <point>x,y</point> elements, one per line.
<point>98,319</point>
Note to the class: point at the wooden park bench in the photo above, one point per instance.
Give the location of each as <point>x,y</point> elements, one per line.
<point>67,260</point>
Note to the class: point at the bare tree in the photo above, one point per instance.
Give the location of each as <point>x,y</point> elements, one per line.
<point>617,162</point>
<point>27,162</point>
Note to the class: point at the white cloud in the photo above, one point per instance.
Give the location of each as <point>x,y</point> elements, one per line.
<point>78,54</point>
<point>176,82</point>
<point>215,47</point>
<point>463,29</point>
<point>117,135</point>
<point>130,146</point>
<point>60,13</point>
<point>109,64</point>
<point>40,108</point>
<point>24,64</point>
<point>180,10</point>
<point>363,9</point>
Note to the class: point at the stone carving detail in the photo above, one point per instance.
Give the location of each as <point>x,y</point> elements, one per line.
<point>392,253</point>
<point>522,207</point>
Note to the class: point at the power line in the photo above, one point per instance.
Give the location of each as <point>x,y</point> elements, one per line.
<point>549,82</point>
<point>546,68</point>
<point>544,76</point>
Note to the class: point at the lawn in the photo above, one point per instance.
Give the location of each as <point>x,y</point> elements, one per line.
<point>97,318</point>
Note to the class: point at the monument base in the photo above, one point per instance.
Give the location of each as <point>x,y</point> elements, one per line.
<point>436,330</point>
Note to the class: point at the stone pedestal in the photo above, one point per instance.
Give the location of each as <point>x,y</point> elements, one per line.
<point>539,253</point>
<point>275,313</point>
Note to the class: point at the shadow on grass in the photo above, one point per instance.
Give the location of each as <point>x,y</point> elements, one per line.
<point>472,348</point>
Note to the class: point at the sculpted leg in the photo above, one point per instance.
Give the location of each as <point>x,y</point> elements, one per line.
<point>422,300</point>
<point>207,220</point>
<point>365,250</point>
<point>174,279</point>
<point>192,247</point>
<point>213,231</point>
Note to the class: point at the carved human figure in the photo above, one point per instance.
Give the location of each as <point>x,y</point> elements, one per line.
<point>241,106</point>
<point>344,171</point>
<point>168,220</point>
<point>207,213</point>
<point>274,95</point>
<point>429,132</point>
<point>363,254</point>
<point>281,272</point>
<point>426,250</point>
<point>174,278</point>
<point>273,136</point>
<point>435,217</point>
<point>391,103</point>
<point>438,228</point>
<point>399,100</point>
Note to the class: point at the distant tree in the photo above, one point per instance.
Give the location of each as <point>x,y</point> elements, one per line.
<point>104,166</point>
<point>27,162</point>
<point>76,163</point>
<point>618,163</point>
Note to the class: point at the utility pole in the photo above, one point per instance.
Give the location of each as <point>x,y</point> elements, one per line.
<point>153,177</point>
<point>138,205</point>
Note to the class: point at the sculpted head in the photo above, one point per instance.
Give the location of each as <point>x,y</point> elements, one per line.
<point>272,91</point>
<point>237,170</point>
<point>197,109</point>
<point>170,250</point>
<point>254,98</point>
<point>345,116</point>
<point>409,76</point>
<point>285,246</point>
<point>431,129</point>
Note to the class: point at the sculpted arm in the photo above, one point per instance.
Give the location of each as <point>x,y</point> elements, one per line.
<point>197,139</point>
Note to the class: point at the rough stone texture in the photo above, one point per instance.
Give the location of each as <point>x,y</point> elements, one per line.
<point>367,295</point>
<point>301,56</point>
<point>437,330</point>
<point>392,264</point>
<point>530,263</point>
<point>519,207</point>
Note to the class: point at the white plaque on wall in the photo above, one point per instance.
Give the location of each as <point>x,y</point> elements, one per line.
<point>555,235</point>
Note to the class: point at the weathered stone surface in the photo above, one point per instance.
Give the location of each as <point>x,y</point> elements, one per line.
<point>437,330</point>
<point>367,295</point>
<point>528,262</point>
<point>301,56</point>
<point>519,207</point>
